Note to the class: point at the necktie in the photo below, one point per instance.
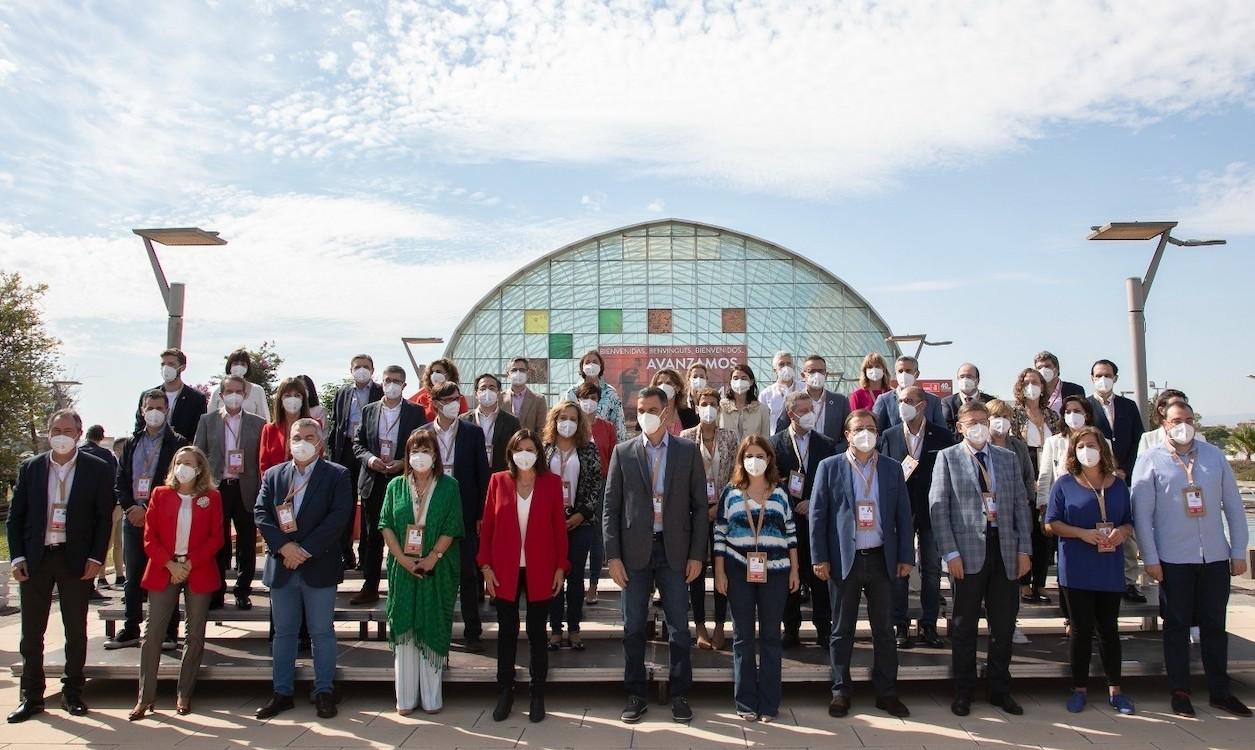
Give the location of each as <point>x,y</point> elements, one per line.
<point>980,475</point>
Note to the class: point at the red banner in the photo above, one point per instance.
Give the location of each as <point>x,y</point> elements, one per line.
<point>630,368</point>
<point>939,388</point>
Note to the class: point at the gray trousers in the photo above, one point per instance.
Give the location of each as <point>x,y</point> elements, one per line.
<point>161,607</point>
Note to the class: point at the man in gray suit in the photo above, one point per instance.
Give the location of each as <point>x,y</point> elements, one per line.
<point>655,527</point>
<point>231,438</point>
<point>830,408</point>
<point>979,513</point>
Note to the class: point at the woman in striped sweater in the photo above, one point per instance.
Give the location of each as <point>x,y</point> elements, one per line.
<point>756,568</point>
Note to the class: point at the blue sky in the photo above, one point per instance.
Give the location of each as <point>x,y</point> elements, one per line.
<point>378,167</point>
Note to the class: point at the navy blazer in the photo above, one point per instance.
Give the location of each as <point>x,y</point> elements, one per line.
<point>470,468</point>
<point>339,445</point>
<point>124,486</point>
<point>104,454</point>
<point>886,410</point>
<point>190,405</point>
<point>893,444</point>
<point>326,509</point>
<point>366,442</point>
<point>951,404</point>
<point>832,532</point>
<point>836,409</point>
<point>89,512</point>
<point>1126,436</point>
<point>786,461</point>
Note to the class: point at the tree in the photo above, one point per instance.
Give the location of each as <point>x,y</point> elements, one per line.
<point>29,365</point>
<point>1242,440</point>
<point>265,369</point>
<point>1217,435</point>
<point>327,392</point>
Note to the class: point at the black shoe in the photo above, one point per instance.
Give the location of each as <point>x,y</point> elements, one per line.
<point>505,702</point>
<point>325,704</point>
<point>123,639</point>
<point>962,705</point>
<point>474,646</point>
<point>218,602</point>
<point>1232,705</point>
<point>928,637</point>
<point>95,596</point>
<point>904,638</point>
<point>365,596</point>
<point>790,640</point>
<point>25,710</point>
<point>275,706</point>
<point>894,706</point>
<point>119,582</point>
<point>1041,598</point>
<point>681,712</point>
<point>1006,703</point>
<point>1134,595</point>
<point>350,562</point>
<point>536,714</point>
<point>634,711</point>
<point>839,707</point>
<point>242,601</point>
<point>824,639</point>
<point>1181,705</point>
<point>73,705</point>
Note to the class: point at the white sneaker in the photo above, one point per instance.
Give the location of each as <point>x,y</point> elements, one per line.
<point>1018,637</point>
<point>1194,634</point>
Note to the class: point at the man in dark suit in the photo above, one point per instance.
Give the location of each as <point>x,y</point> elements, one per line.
<point>184,404</point>
<point>915,444</point>
<point>91,445</point>
<point>656,527</point>
<point>885,409</point>
<point>1056,388</point>
<point>799,448</point>
<point>860,544</point>
<point>967,388</point>
<point>144,465</point>
<point>462,447</point>
<point>380,449</point>
<point>231,440</point>
<point>1121,422</point>
<point>346,417</point>
<point>498,425</point>
<point>58,529</point>
<point>301,511</point>
<point>830,408</point>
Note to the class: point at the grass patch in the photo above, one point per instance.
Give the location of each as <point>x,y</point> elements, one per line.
<point>1244,470</point>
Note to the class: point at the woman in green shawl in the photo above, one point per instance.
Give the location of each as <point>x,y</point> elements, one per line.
<point>421,521</point>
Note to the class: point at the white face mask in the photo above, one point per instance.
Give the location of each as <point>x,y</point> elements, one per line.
<point>668,389</point>
<point>708,413</point>
<point>1000,425</point>
<point>233,401</point>
<point>1182,434</point>
<point>1087,456</point>
<point>437,378</point>
<point>1104,384</point>
<point>61,444</point>
<point>1047,373</point>
<point>303,450</point>
<point>518,377</point>
<point>567,427</point>
<point>591,369</point>
<point>1032,392</point>
<point>907,411</point>
<point>588,406</point>
<point>154,417</point>
<point>361,376</point>
<point>169,374</point>
<point>906,379</point>
<point>874,374</point>
<point>785,374</point>
<point>451,410</point>
<point>392,390</point>
<point>740,385</point>
<point>864,440</point>
<point>1075,420</point>
<point>816,380</point>
<point>649,423</point>
<point>239,371</point>
<point>755,466</point>
<point>696,384</point>
<point>524,460</point>
<point>421,462</point>
<point>292,404</point>
<point>967,385</point>
<point>486,397</point>
<point>807,421</point>
<point>185,473</point>
<point>977,435</point>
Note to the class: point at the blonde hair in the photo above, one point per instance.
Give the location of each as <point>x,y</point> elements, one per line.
<point>204,481</point>
<point>998,408</point>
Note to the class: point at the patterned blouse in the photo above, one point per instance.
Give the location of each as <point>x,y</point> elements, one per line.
<point>1019,424</point>
<point>734,538</point>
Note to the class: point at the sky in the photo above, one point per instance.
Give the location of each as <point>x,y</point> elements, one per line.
<point>376,168</point>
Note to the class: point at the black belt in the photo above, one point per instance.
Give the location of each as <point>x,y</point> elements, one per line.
<point>229,481</point>
<point>54,547</point>
<point>871,550</point>
<point>658,536</point>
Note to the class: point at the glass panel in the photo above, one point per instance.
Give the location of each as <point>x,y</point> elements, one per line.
<point>683,295</point>
<point>634,248</point>
<point>562,296</point>
<point>611,248</point>
<point>634,321</point>
<point>637,272</point>
<point>683,272</point>
<point>611,295</point>
<point>720,295</point>
<point>610,321</point>
<point>759,250</point>
<point>512,297</point>
<point>512,343</point>
<point>661,230</point>
<point>660,247</point>
<point>731,248</point>
<point>561,346</point>
<point>562,320</point>
<point>535,345</point>
<point>487,321</point>
<point>536,297</point>
<point>587,251</point>
<point>634,296</point>
<point>660,295</point>
<point>536,321</point>
<point>708,247</point>
<point>804,273</point>
<point>769,272</point>
<point>684,320</point>
<point>682,230</point>
<point>537,275</point>
<point>585,321</point>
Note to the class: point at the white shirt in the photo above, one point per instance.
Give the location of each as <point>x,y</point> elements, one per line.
<point>301,479</point>
<point>570,474</point>
<point>59,477</point>
<point>389,418</point>
<point>183,528</point>
<point>231,426</point>
<point>1108,407</point>
<point>913,440</point>
<point>773,397</point>
<point>487,423</point>
<point>446,438</point>
<point>525,510</point>
<point>171,397</point>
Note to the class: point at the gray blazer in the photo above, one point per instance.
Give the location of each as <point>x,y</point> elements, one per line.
<point>628,512</point>
<point>211,438</point>
<point>957,514</point>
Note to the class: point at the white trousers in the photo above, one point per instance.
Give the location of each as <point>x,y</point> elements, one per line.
<point>416,678</point>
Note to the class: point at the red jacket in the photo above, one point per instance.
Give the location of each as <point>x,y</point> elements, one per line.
<point>423,399</point>
<point>605,438</point>
<point>274,446</point>
<point>203,542</point>
<point>546,536</point>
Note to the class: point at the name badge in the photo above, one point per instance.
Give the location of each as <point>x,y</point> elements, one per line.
<point>143,485</point>
<point>413,540</point>
<point>235,463</point>
<point>385,450</point>
<point>796,481</point>
<point>866,515</point>
<point>1105,530</point>
<point>567,496</point>
<point>711,498</point>
<point>756,567</point>
<point>909,465</point>
<point>287,517</point>
<point>657,511</point>
<point>990,502</point>
<point>1194,501</point>
<point>57,522</point>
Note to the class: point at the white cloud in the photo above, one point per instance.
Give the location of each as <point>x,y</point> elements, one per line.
<point>1224,202</point>
<point>7,68</point>
<point>328,61</point>
<point>766,95</point>
<point>593,201</point>
<point>656,206</point>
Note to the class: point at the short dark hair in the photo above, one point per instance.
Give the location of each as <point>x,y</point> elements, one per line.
<point>78,421</point>
<point>177,354</point>
<point>156,394</point>
<point>447,389</point>
<point>652,391</point>
<point>1086,407</point>
<point>394,370</point>
<point>597,355</point>
<point>239,355</point>
<point>588,390</point>
<point>857,414</point>
<point>366,357</point>
<point>541,466</point>
<point>96,433</point>
<point>491,377</point>
<point>1115,371</point>
<point>1043,354</point>
<point>970,407</point>
<point>752,394</point>
<point>526,364</point>
<point>815,358</point>
<point>424,437</point>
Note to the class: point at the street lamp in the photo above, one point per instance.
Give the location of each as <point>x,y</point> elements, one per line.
<point>921,338</point>
<point>1138,289</point>
<point>173,294</point>
<point>406,341</point>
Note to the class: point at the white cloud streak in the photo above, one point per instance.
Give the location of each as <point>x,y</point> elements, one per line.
<point>1224,202</point>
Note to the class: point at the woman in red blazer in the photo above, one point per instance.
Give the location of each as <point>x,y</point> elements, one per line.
<point>182,535</point>
<point>523,552</point>
<point>291,402</point>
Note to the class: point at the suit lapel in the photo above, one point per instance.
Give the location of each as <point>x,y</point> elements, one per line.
<point>642,458</point>
<point>311,490</point>
<point>39,478</point>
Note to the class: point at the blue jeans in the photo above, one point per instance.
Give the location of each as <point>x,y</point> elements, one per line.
<point>675,606</point>
<point>569,604</point>
<point>929,584</point>
<point>757,685</point>
<point>287,603</point>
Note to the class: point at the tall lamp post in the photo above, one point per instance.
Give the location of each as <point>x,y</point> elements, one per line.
<point>920,338</point>
<point>173,293</point>
<point>408,341</point>
<point>1138,289</point>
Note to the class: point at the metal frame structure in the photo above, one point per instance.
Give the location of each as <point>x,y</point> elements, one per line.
<point>922,338</point>
<point>174,294</point>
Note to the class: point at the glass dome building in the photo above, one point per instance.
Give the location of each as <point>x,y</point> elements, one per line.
<point>666,294</point>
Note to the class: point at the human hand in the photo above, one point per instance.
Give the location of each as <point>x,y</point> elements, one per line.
<point>692,571</point>
<point>558,577</point>
<point>1024,564</point>
<point>490,582</point>
<point>956,568</point>
<point>136,515</point>
<point>1156,572</point>
<point>21,573</point>
<point>904,569</point>
<point>822,571</point>
<point>618,573</point>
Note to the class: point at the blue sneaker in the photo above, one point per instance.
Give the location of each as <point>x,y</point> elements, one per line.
<point>1076,703</point>
<point>1121,703</point>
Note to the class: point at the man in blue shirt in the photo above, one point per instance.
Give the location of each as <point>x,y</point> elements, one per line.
<point>1180,490</point>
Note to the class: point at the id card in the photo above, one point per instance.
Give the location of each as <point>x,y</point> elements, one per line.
<point>57,522</point>
<point>991,506</point>
<point>143,485</point>
<point>909,465</point>
<point>866,515</point>
<point>756,567</point>
<point>657,511</point>
<point>796,481</point>
<point>235,463</point>
<point>1194,501</point>
<point>287,517</point>
<point>1105,530</point>
<point>568,498</point>
<point>711,499</point>
<point>413,540</point>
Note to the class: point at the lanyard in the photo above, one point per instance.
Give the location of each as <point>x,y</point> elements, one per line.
<point>296,489</point>
<point>868,477</point>
<point>913,443</point>
<point>62,478</point>
<point>655,466</point>
<point>446,446</point>
<point>226,426</point>
<point>1189,468</point>
<point>989,482</point>
<point>420,500</point>
<point>755,528</point>
<point>801,457</point>
<point>383,419</point>
<point>709,457</point>
<point>1101,494</point>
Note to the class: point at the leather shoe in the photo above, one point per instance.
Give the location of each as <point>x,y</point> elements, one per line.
<point>1181,705</point>
<point>892,705</point>
<point>243,602</point>
<point>474,646</point>
<point>325,705</point>
<point>904,638</point>
<point>962,705</point>
<point>365,596</point>
<point>1134,595</point>
<point>1232,705</point>
<point>634,711</point>
<point>275,706</point>
<point>790,640</point>
<point>73,705</point>
<point>536,713</point>
<point>1006,703</point>
<point>928,637</point>
<point>839,707</point>
<point>505,702</point>
<point>25,710</point>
